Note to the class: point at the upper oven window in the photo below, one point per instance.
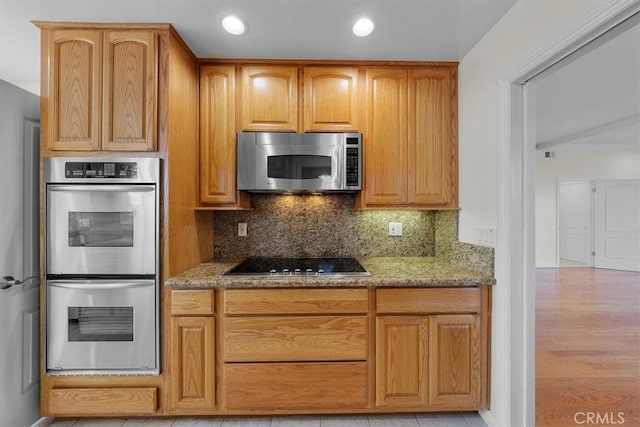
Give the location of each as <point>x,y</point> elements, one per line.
<point>101,229</point>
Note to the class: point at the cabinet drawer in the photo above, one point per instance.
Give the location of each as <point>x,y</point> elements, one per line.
<point>295,338</point>
<point>193,302</point>
<point>102,401</point>
<point>428,300</point>
<point>295,301</point>
<point>297,386</point>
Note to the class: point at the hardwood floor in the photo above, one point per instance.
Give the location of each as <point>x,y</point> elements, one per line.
<point>587,347</point>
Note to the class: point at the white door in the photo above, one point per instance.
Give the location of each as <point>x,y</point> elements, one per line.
<point>617,224</point>
<point>19,304</point>
<point>574,222</point>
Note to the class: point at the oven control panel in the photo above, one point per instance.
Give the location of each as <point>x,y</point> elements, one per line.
<point>101,170</point>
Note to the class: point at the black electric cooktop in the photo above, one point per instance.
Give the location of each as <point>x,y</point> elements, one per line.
<point>326,267</point>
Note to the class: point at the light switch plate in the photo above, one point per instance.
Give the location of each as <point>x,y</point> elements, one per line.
<point>395,229</point>
<point>242,229</point>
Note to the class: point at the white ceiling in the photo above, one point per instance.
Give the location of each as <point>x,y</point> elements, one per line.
<point>594,100</point>
<point>318,29</point>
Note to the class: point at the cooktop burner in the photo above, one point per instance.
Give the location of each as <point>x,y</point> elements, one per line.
<point>327,267</point>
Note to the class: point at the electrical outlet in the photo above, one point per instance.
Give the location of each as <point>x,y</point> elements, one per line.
<point>242,229</point>
<point>395,229</point>
<point>486,236</point>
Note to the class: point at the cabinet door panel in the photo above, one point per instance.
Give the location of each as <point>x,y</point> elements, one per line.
<point>111,401</point>
<point>269,98</point>
<point>295,338</point>
<point>295,301</point>
<point>431,167</point>
<point>385,141</point>
<point>401,361</point>
<point>130,86</point>
<point>217,135</point>
<point>295,386</point>
<point>331,100</point>
<point>454,361</point>
<point>193,302</point>
<point>192,363</point>
<point>428,300</point>
<point>74,90</point>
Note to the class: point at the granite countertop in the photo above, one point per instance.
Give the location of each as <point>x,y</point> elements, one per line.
<point>385,271</point>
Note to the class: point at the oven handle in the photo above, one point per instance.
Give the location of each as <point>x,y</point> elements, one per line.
<point>99,284</point>
<point>106,188</point>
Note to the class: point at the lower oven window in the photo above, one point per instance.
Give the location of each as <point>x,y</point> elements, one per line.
<point>100,323</point>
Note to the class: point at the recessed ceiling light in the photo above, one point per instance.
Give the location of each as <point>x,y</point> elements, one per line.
<point>234,25</point>
<point>363,27</point>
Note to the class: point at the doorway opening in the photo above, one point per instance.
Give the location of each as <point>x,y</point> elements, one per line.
<point>582,114</point>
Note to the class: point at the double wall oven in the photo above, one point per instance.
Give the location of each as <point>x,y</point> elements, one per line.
<point>102,265</point>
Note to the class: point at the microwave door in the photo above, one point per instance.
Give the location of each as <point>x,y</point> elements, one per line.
<point>100,229</point>
<point>298,167</point>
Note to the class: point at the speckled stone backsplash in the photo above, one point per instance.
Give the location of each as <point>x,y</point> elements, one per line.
<point>475,257</point>
<point>324,225</point>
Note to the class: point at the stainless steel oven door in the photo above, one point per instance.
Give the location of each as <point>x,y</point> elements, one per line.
<point>98,325</point>
<point>101,229</point>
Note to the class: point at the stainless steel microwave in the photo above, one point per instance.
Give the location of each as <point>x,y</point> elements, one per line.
<point>271,162</point>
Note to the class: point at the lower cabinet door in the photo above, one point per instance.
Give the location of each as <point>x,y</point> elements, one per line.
<point>401,361</point>
<point>295,386</point>
<point>454,361</point>
<point>192,365</point>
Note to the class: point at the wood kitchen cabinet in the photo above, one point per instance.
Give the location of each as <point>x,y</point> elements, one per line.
<point>410,159</point>
<point>402,361</point>
<point>269,98</point>
<point>295,349</point>
<point>192,352</point>
<point>100,89</point>
<point>218,138</point>
<point>331,99</point>
<point>426,360</point>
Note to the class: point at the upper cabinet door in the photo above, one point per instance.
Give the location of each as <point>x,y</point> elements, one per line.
<point>331,99</point>
<point>432,153</point>
<point>385,139</point>
<point>72,95</point>
<point>269,98</point>
<point>130,91</point>
<point>217,134</point>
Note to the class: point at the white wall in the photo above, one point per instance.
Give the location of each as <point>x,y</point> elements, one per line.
<point>566,166</point>
<point>521,33</point>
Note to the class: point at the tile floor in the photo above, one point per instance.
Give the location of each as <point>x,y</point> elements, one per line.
<point>419,420</point>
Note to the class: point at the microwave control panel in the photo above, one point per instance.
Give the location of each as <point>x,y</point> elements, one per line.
<point>101,170</point>
<point>353,162</point>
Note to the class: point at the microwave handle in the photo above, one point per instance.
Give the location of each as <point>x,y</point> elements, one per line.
<point>97,285</point>
<point>104,188</point>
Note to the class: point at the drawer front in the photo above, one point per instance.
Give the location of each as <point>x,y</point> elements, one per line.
<point>103,401</point>
<point>295,386</point>
<point>295,301</point>
<point>193,302</point>
<point>428,300</point>
<point>295,338</point>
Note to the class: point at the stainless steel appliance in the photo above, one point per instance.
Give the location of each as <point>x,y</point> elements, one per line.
<point>299,162</point>
<point>298,267</point>
<point>102,265</point>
